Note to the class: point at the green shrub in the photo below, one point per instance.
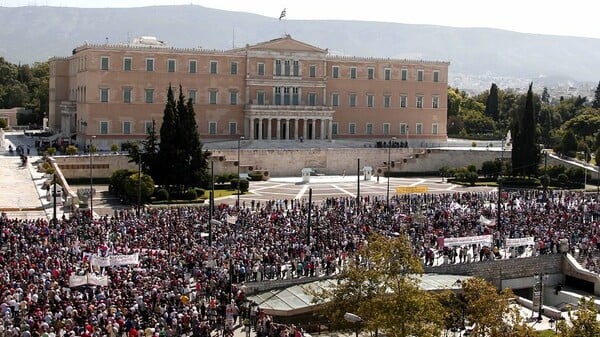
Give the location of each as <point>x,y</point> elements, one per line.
<point>161,194</point>
<point>190,194</point>
<point>199,192</point>
<point>234,183</point>
<point>244,185</point>
<point>256,176</point>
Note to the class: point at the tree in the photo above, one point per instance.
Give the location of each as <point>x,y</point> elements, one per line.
<point>133,185</point>
<point>525,151</point>
<point>545,96</point>
<point>490,312</point>
<point>491,105</point>
<point>180,161</point>
<point>381,286</point>
<point>568,144</point>
<point>596,101</point>
<point>583,321</point>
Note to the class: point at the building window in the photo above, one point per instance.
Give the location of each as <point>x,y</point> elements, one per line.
<point>369,129</point>
<point>148,125</point>
<point>312,70</point>
<point>104,95</point>
<point>277,95</point>
<point>149,64</point>
<point>233,97</point>
<point>435,102</point>
<point>419,102</point>
<point>420,75</point>
<point>370,73</point>
<point>171,66</point>
<point>387,101</point>
<point>212,128</point>
<point>436,76</point>
<point>404,74</point>
<point>261,69</point>
<point>296,68</point>
<point>126,128</point>
<point>127,64</point>
<point>403,101</point>
<point>295,96</point>
<point>286,96</point>
<point>370,100</point>
<point>287,67</point>
<point>193,66</point>
<point>419,129</point>
<point>434,128</point>
<point>312,99</point>
<point>192,94</point>
<point>334,128</point>
<point>233,128</point>
<point>213,67</point>
<point>352,128</point>
<point>212,96</point>
<point>234,68</point>
<point>277,67</point>
<point>335,72</point>
<point>104,62</point>
<point>335,99</point>
<point>403,128</point>
<point>387,74</point>
<point>386,128</point>
<point>352,100</point>
<point>103,127</point>
<point>127,95</point>
<point>149,94</point>
<point>353,72</point>
<point>260,98</point>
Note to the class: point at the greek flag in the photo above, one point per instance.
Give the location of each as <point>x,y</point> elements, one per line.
<point>282,15</point>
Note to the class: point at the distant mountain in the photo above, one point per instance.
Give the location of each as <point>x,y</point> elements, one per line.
<point>34,33</point>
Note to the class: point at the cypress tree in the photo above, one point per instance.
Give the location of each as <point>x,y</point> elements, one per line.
<point>491,104</point>
<point>526,153</point>
<point>596,101</point>
<point>167,154</point>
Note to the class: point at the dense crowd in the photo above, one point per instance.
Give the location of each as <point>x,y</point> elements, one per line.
<point>183,286</point>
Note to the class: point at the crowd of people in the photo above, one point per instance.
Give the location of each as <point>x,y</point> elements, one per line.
<point>182,286</point>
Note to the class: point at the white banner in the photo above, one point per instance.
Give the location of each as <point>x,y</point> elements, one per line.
<point>468,240</point>
<point>516,242</point>
<point>77,280</point>
<point>114,260</point>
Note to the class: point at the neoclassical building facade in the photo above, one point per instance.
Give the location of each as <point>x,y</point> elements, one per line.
<point>281,89</point>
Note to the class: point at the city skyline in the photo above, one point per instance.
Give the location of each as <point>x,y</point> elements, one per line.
<point>548,17</point>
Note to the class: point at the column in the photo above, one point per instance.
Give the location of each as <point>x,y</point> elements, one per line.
<point>296,128</point>
<point>278,129</point>
<point>251,135</point>
<point>323,128</point>
<point>305,129</point>
<point>260,131</point>
<point>287,128</point>
<point>270,120</point>
<point>330,132</point>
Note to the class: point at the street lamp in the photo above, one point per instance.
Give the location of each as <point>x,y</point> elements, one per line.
<point>139,191</point>
<point>388,174</point>
<point>91,194</point>
<point>238,171</point>
<point>353,318</point>
<point>538,290</point>
<point>499,214</point>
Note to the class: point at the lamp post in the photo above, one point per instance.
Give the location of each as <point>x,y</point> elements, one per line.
<point>139,191</point>
<point>91,194</point>
<point>238,171</point>
<point>539,291</point>
<point>499,214</point>
<point>388,174</point>
<point>353,318</point>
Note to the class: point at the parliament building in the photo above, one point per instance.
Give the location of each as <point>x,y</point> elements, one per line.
<point>282,89</point>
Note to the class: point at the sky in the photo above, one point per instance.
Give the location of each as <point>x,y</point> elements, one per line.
<point>569,18</point>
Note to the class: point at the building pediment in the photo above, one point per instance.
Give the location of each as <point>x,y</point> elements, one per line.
<point>286,43</point>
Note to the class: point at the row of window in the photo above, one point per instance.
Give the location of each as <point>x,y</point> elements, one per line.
<point>403,129</point>
<point>281,68</point>
<point>282,95</point>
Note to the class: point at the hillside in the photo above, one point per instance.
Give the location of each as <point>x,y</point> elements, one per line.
<point>34,33</point>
